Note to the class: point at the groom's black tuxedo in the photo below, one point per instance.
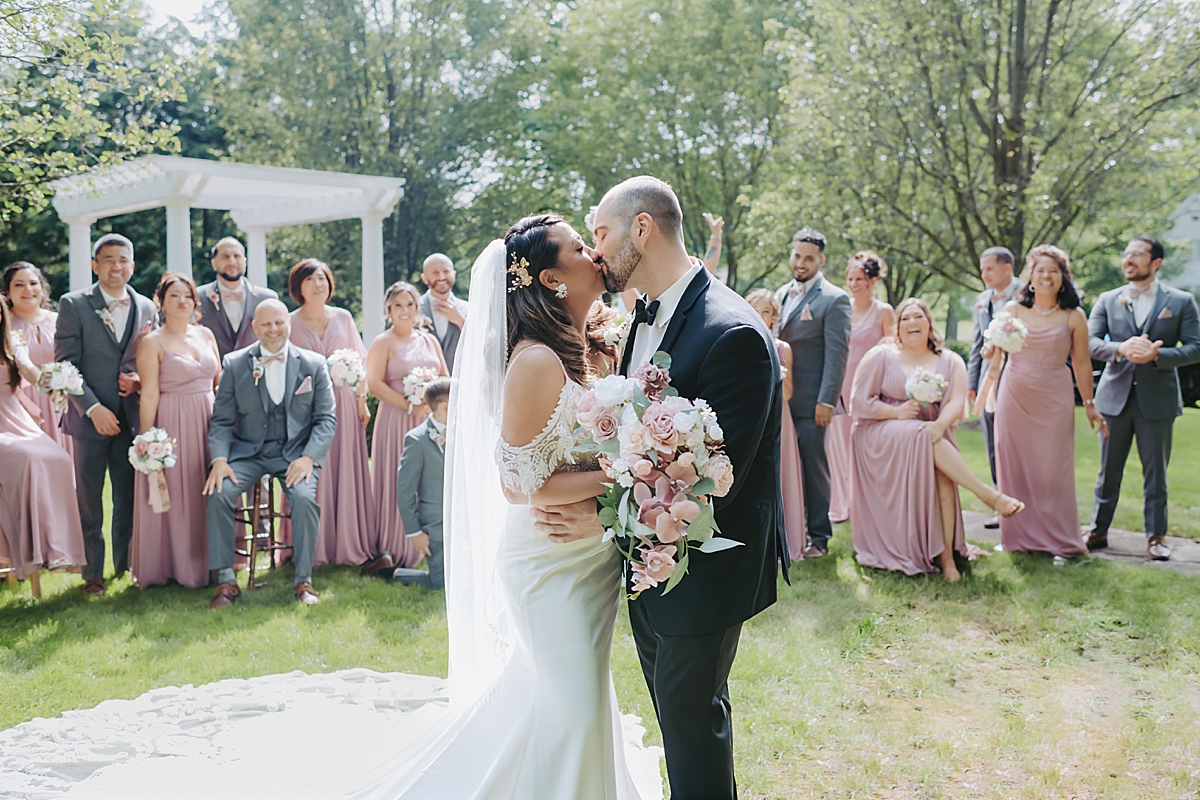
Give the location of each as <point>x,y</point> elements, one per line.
<point>720,351</point>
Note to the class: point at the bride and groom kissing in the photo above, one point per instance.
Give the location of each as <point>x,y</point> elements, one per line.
<point>533,585</point>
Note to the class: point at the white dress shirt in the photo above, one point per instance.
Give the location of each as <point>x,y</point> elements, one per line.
<point>649,337</point>
<point>234,309</point>
<point>275,374</point>
<point>794,299</point>
<point>1143,304</point>
<point>120,313</point>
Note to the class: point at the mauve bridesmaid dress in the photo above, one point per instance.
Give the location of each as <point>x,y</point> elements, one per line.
<point>39,520</point>
<point>39,341</point>
<point>863,337</point>
<point>349,534</point>
<point>793,485</point>
<point>1035,445</point>
<point>894,519</point>
<point>391,424</point>
<point>174,544</point>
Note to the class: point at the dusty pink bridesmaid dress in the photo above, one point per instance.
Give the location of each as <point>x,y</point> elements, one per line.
<point>894,518</point>
<point>1035,445</point>
<point>793,484</point>
<point>39,520</point>
<point>39,341</point>
<point>863,337</point>
<point>391,424</point>
<point>349,534</point>
<point>174,544</point>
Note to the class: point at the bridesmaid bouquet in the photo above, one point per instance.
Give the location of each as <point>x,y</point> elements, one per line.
<point>1006,334</point>
<point>59,379</point>
<point>346,368</point>
<point>665,457</point>
<point>415,382</point>
<point>924,386</point>
<point>151,453</point>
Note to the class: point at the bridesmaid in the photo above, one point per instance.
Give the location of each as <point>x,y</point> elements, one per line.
<point>179,365</point>
<point>37,529</point>
<point>393,354</point>
<point>28,294</point>
<point>763,301</point>
<point>904,510</point>
<point>349,534</point>
<point>1035,409</point>
<point>870,318</point>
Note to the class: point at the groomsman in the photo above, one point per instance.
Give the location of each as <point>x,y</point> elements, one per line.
<point>99,329</point>
<point>816,323</point>
<point>227,304</point>
<point>439,304</point>
<point>1145,330</point>
<point>996,269</point>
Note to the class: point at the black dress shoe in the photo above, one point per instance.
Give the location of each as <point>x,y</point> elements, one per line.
<point>816,550</point>
<point>992,522</point>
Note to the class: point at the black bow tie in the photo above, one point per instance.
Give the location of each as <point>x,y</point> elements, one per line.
<point>645,312</point>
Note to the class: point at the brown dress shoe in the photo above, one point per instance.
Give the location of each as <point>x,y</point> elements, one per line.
<point>93,586</point>
<point>379,562</point>
<point>1157,549</point>
<point>227,593</point>
<point>306,594</point>
<point>815,550</point>
<point>1095,541</point>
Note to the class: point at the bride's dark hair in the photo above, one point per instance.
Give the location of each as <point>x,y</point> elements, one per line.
<point>535,313</point>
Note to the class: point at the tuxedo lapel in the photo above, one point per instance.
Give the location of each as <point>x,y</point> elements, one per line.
<point>695,289</point>
<point>98,305</point>
<point>214,298</point>
<point>1160,302</point>
<point>628,352</point>
<point>292,375</point>
<point>807,298</point>
<point>261,383</point>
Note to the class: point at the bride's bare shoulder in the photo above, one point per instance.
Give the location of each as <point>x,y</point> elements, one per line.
<point>532,387</point>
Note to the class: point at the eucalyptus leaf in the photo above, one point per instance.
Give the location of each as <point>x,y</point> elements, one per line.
<point>717,544</point>
<point>704,486</point>
<point>661,359</point>
<point>677,575</point>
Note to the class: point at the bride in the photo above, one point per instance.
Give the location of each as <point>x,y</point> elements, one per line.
<point>531,620</point>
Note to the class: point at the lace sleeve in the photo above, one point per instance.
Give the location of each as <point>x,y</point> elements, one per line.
<point>524,469</point>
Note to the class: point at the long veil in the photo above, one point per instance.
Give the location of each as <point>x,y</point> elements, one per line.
<point>480,625</point>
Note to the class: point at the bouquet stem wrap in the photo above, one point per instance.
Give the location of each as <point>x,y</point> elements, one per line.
<point>160,498</point>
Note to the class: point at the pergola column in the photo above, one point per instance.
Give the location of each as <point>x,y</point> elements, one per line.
<point>256,255</point>
<point>80,259</point>
<point>179,237</point>
<point>372,276</point>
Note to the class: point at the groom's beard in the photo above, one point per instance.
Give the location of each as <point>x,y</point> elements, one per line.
<point>619,268</point>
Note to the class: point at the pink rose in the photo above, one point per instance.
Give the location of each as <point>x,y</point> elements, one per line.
<point>635,439</point>
<point>587,410</point>
<point>660,424</point>
<point>158,450</point>
<point>604,426</point>
<point>720,469</point>
<point>643,467</point>
<point>652,379</point>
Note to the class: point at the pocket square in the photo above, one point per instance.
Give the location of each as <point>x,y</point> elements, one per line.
<point>305,386</point>
<point>1165,314</point>
<point>805,314</point>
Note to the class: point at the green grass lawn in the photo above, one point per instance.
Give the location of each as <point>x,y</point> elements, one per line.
<point>1183,475</point>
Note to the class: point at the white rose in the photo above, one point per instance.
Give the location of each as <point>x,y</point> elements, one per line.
<point>629,415</point>
<point>58,380</point>
<point>684,421</point>
<point>613,390</point>
<point>715,433</point>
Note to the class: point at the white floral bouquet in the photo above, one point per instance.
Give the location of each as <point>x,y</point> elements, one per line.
<point>346,368</point>
<point>59,379</point>
<point>151,453</point>
<point>415,382</point>
<point>665,456</point>
<point>924,386</point>
<point>1007,333</point>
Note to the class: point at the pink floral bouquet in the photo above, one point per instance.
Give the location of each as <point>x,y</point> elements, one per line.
<point>59,379</point>
<point>665,456</point>
<point>151,453</point>
<point>346,368</point>
<point>924,386</point>
<point>415,382</point>
<point>1006,333</point>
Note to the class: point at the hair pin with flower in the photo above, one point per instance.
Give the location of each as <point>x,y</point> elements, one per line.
<point>520,272</point>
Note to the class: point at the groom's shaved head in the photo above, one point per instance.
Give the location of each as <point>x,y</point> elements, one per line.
<point>646,195</point>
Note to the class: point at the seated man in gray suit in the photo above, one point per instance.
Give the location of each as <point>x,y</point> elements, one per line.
<point>1145,330</point>
<point>227,304</point>
<point>439,304</point>
<point>419,484</point>
<point>274,415</point>
<point>816,323</point>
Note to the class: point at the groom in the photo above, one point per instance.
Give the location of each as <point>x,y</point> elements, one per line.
<point>720,351</point>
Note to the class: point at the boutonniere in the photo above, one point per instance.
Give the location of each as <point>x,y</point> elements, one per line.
<point>438,437</point>
<point>981,303</point>
<point>617,334</point>
<point>106,317</point>
<point>215,297</point>
<point>1125,301</point>
<point>257,371</point>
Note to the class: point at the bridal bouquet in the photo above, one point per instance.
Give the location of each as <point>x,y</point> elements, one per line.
<point>924,386</point>
<point>59,379</point>
<point>346,368</point>
<point>665,456</point>
<point>415,382</point>
<point>1006,334</point>
<point>151,453</point>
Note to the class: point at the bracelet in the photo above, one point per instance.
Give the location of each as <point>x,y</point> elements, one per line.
<point>1091,401</point>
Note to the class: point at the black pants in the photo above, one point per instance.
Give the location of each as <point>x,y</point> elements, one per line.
<point>688,678</point>
<point>94,457</point>
<point>1154,448</point>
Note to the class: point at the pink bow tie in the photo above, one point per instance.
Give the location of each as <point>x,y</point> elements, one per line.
<point>1135,291</point>
<point>237,296</point>
<point>272,359</point>
<point>124,301</point>
<point>997,296</point>
<point>796,290</point>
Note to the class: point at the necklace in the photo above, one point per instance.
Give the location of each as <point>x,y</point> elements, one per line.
<point>1045,313</point>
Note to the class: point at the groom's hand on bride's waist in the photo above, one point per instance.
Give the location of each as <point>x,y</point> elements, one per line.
<point>567,523</point>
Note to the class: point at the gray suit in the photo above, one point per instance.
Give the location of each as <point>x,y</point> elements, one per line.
<point>820,349</point>
<point>982,314</point>
<point>239,432</point>
<point>419,485</point>
<point>84,340</point>
<point>1140,400</point>
<point>213,317</point>
<point>449,342</point>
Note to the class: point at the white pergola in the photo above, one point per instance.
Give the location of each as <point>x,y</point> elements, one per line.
<point>1186,225</point>
<point>258,199</point>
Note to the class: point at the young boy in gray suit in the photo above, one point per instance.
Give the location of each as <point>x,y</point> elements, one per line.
<point>419,484</point>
